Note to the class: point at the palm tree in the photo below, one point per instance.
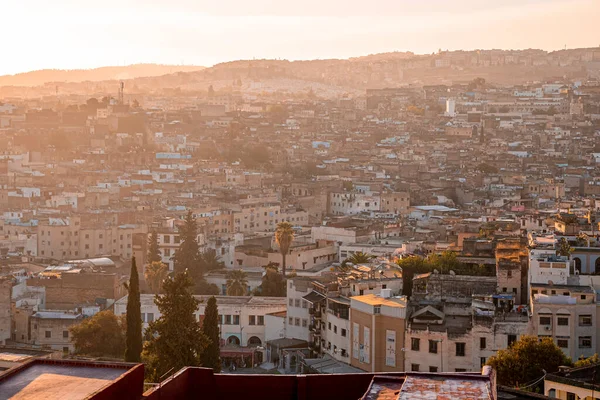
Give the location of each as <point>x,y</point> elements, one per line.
<point>360,258</point>
<point>210,261</point>
<point>237,283</point>
<point>284,236</point>
<point>155,273</point>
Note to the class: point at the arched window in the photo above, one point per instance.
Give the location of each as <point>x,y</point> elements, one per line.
<point>233,340</point>
<point>254,342</point>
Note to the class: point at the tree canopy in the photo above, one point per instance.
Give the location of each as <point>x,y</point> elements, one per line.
<point>360,258</point>
<point>526,360</point>
<point>153,251</point>
<point>273,283</point>
<point>102,335</point>
<point>174,340</point>
<point>155,274</point>
<point>211,358</point>
<point>237,283</point>
<point>284,236</point>
<point>187,255</point>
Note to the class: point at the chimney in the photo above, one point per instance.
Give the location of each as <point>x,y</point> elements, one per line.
<point>386,293</point>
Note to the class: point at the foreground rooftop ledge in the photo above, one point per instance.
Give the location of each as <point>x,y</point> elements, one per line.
<point>127,385</point>
<point>190,382</point>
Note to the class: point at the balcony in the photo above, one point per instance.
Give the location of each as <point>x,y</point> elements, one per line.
<point>315,329</point>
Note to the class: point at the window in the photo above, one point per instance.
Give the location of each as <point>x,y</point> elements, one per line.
<point>304,303</point>
<point>261,320</point>
<point>251,320</point>
<point>571,396</point>
<point>176,239</point>
<point>228,320</point>
<point>304,322</point>
<point>482,343</point>
<point>585,342</point>
<point>460,349</point>
<point>585,320</point>
<point>65,334</point>
<point>343,332</point>
<point>563,343</point>
<point>65,349</point>
<point>415,344</point>
<point>414,367</point>
<point>48,334</point>
<point>509,274</point>
<point>563,321</point>
<point>334,329</point>
<point>511,339</point>
<point>545,320</point>
<point>143,317</point>
<point>433,369</point>
<point>291,302</point>
<point>167,239</point>
<point>291,321</point>
<point>482,362</point>
<point>583,297</point>
<point>236,319</point>
<point>433,346</point>
<point>377,310</point>
<point>297,303</point>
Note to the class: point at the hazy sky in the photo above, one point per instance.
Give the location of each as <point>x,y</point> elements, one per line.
<point>69,34</point>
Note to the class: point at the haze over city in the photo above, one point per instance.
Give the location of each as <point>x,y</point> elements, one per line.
<point>316,200</point>
<point>75,34</point>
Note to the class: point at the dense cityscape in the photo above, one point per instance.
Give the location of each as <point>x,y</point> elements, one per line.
<point>393,226</point>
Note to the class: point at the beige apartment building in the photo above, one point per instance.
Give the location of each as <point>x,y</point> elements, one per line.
<point>567,314</point>
<point>66,239</point>
<point>395,202</point>
<point>377,332</point>
<point>50,329</point>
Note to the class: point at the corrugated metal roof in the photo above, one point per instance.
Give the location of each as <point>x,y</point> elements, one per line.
<point>444,387</point>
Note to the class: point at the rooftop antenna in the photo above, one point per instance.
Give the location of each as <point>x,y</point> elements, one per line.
<point>121,87</point>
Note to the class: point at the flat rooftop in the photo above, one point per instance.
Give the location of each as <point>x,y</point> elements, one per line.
<point>59,379</point>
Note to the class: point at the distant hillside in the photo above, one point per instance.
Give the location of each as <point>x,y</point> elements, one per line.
<point>37,78</point>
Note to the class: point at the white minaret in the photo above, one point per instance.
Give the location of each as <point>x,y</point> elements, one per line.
<point>450,107</point>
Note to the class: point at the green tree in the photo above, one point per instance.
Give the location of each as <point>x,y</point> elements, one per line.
<point>360,258</point>
<point>584,362</point>
<point>187,256</point>
<point>526,360</point>
<point>273,283</point>
<point>153,251</point>
<point>133,345</point>
<point>211,358</point>
<point>174,340</point>
<point>102,335</point>
<point>564,249</point>
<point>237,283</point>
<point>205,288</point>
<point>209,261</point>
<point>411,266</point>
<point>284,235</point>
<point>155,274</point>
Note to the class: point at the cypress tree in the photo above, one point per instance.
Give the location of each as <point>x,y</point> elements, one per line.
<point>187,256</point>
<point>153,252</point>
<point>133,349</point>
<point>211,358</point>
<point>175,340</point>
